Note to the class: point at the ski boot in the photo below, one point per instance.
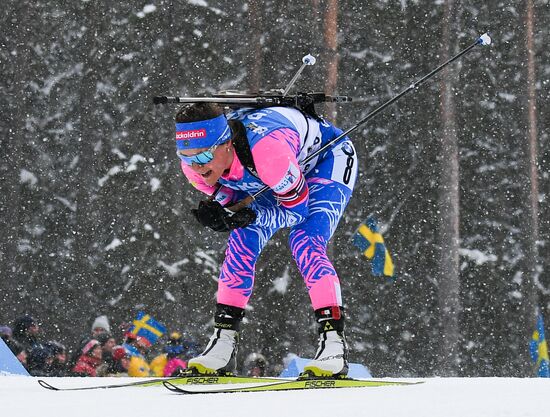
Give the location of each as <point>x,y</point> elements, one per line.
<point>331,359</point>
<point>219,357</point>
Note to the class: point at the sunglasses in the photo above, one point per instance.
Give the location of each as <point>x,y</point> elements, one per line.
<point>202,158</point>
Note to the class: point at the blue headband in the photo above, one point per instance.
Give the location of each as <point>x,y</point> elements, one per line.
<point>203,133</point>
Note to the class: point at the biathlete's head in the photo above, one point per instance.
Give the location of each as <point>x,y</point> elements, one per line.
<point>203,140</point>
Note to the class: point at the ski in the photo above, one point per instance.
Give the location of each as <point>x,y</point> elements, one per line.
<point>188,380</point>
<point>294,385</point>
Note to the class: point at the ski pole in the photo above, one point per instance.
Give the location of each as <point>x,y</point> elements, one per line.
<point>483,40</point>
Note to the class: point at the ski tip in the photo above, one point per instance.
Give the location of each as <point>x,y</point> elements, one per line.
<point>44,384</point>
<point>170,386</point>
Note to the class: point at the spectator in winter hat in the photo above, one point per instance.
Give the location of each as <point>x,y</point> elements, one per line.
<point>90,359</point>
<point>100,325</point>
<point>26,331</point>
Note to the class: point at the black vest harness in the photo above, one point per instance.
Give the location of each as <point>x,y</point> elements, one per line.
<point>241,145</point>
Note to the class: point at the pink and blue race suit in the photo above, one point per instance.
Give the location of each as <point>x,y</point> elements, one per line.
<point>310,200</point>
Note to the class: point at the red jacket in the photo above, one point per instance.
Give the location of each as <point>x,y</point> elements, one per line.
<point>86,365</point>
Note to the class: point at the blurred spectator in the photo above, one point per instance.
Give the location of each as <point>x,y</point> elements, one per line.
<point>131,345</point>
<point>26,331</point>
<point>170,362</point>
<point>38,360</point>
<point>142,344</point>
<point>90,359</point>
<point>5,333</point>
<point>100,325</point>
<point>119,364</point>
<point>158,364</point>
<point>58,364</point>
<point>255,364</point>
<point>138,343</point>
<point>18,350</point>
<point>121,361</point>
<point>107,343</point>
<point>47,359</point>
<point>175,365</point>
<point>138,366</point>
<point>191,348</point>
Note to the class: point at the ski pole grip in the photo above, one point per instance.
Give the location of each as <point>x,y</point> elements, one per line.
<point>245,202</point>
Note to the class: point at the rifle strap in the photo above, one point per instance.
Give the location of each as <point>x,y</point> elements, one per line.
<point>242,147</point>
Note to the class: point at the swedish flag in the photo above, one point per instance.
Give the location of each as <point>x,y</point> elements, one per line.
<point>369,240</point>
<point>147,327</point>
<point>539,349</point>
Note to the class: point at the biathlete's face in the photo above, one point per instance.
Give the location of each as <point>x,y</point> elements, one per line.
<point>214,161</point>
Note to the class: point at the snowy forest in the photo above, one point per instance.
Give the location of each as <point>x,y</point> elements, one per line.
<point>96,212</point>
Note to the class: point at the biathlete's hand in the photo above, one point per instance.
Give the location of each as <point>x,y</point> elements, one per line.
<point>211,214</point>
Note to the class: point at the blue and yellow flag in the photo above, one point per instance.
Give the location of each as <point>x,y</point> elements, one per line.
<point>539,349</point>
<point>147,327</point>
<point>369,240</point>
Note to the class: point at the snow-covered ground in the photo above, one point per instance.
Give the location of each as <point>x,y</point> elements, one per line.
<point>437,397</point>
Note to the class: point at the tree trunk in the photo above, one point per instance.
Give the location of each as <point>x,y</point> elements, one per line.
<point>255,59</point>
<point>330,34</point>
<point>532,225</point>
<point>331,54</point>
<point>449,279</point>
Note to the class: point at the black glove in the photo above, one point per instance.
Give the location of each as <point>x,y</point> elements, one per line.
<point>211,214</point>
